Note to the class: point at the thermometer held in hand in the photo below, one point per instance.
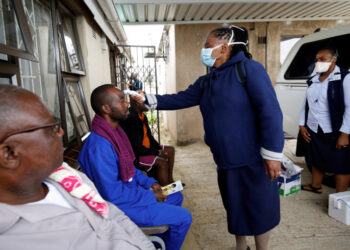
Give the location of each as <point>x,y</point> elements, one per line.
<point>133,93</point>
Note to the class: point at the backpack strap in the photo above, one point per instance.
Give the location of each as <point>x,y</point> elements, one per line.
<point>203,84</point>
<point>241,73</point>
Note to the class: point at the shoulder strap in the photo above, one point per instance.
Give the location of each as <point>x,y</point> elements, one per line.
<point>240,70</point>
<point>309,82</point>
<point>203,84</point>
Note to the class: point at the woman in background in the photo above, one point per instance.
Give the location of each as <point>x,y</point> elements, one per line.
<point>325,122</point>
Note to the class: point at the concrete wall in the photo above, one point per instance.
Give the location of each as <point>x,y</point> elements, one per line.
<point>170,80</point>
<point>189,39</point>
<point>96,59</point>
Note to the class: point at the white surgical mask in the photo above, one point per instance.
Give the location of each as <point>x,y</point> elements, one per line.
<point>321,67</point>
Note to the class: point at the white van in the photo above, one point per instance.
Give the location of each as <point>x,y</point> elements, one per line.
<point>298,66</point>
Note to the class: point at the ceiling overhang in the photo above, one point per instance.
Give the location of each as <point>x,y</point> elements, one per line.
<point>205,11</point>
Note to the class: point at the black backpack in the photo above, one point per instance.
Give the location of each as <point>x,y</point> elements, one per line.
<point>240,72</point>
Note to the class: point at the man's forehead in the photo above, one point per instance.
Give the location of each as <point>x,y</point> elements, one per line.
<point>115,90</point>
<point>32,106</point>
<point>324,53</point>
<point>27,110</point>
<point>115,94</point>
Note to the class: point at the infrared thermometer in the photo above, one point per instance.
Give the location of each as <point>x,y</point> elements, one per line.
<point>133,93</point>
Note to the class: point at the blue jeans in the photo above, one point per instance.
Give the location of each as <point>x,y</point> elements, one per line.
<point>169,213</point>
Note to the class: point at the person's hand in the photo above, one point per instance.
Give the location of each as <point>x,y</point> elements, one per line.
<point>163,154</point>
<point>156,187</point>
<point>160,197</point>
<point>273,168</point>
<point>305,134</point>
<point>343,141</point>
<point>158,193</point>
<point>137,98</point>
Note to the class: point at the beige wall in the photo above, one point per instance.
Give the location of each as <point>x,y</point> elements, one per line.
<point>96,60</point>
<point>170,81</point>
<point>189,39</point>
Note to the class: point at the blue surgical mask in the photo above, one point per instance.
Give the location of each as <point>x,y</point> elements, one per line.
<point>206,57</point>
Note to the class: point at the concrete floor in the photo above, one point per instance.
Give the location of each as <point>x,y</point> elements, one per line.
<point>305,223</point>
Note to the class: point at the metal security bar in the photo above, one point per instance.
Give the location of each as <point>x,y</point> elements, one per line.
<point>139,60</point>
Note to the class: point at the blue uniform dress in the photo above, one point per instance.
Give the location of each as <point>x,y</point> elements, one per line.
<point>241,124</point>
<point>100,162</point>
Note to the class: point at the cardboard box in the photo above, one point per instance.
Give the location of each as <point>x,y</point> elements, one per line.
<point>289,185</point>
<point>339,207</point>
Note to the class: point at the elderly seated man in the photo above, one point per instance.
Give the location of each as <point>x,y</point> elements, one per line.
<point>108,159</point>
<point>45,204</point>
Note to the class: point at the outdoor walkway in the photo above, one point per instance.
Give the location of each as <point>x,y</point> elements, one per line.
<point>305,223</point>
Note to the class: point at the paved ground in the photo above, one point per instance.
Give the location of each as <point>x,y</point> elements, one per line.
<point>305,223</point>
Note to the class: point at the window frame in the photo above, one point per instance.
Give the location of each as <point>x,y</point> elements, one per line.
<point>11,67</point>
<point>76,38</point>
<point>26,35</point>
<point>76,79</point>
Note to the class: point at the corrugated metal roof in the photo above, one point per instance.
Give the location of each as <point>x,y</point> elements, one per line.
<point>182,11</point>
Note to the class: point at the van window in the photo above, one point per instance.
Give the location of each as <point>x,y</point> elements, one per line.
<point>286,44</point>
<point>303,63</point>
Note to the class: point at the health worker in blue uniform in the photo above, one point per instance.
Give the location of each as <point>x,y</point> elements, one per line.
<point>325,122</point>
<point>243,128</point>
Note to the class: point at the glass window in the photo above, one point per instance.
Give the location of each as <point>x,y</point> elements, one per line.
<point>5,80</point>
<point>70,43</point>
<point>69,47</point>
<point>77,109</point>
<point>63,57</point>
<point>71,132</point>
<point>40,78</point>
<point>15,38</point>
<point>303,64</point>
<point>9,28</point>
<point>3,57</point>
<point>286,44</point>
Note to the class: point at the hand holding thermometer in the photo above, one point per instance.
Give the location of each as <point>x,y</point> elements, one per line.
<point>134,93</point>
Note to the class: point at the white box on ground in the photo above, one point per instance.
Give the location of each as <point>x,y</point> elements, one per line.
<point>339,207</point>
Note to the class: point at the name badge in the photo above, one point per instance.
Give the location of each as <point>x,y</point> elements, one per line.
<point>336,77</point>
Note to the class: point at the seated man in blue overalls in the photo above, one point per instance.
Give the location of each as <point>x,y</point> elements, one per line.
<point>108,159</point>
